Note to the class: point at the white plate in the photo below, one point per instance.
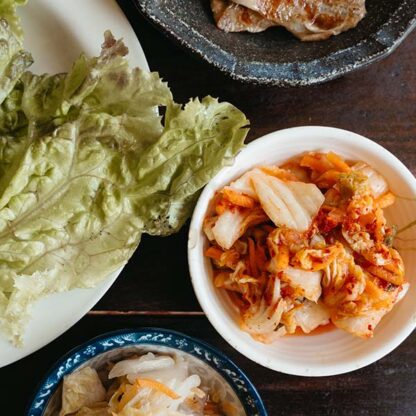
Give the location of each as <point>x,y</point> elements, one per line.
<point>332,352</point>
<point>56,32</point>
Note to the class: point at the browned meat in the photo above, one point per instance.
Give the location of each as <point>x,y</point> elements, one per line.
<point>306,19</point>
<point>232,17</point>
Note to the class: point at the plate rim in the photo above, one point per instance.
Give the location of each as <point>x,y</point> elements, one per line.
<point>16,354</point>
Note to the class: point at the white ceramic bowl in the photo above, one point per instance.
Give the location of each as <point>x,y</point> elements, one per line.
<point>332,352</point>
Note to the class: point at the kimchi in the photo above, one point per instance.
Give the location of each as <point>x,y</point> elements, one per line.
<point>306,244</point>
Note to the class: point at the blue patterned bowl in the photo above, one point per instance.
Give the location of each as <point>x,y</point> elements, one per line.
<point>154,339</point>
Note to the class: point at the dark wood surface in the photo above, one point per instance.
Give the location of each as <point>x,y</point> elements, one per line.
<point>382,389</point>
<point>154,289</point>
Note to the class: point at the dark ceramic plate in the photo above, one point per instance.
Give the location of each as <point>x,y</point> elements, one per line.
<point>275,56</point>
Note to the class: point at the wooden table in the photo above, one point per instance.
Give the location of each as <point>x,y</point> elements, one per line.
<point>154,289</point>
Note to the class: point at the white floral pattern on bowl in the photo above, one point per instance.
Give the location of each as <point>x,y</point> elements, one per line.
<point>152,339</point>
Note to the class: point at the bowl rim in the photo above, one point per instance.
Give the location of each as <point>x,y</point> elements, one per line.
<point>197,273</point>
<point>376,46</point>
<point>79,355</point>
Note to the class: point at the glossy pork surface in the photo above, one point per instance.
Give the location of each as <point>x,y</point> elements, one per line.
<point>232,17</point>
<point>309,20</point>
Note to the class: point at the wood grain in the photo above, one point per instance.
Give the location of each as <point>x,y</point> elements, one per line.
<point>96,312</point>
<point>378,102</point>
<point>382,389</point>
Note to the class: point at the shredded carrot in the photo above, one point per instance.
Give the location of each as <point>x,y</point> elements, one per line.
<point>227,258</point>
<point>326,208</point>
<point>261,258</point>
<point>386,200</point>
<point>328,178</point>
<point>374,293</point>
<point>120,390</point>
<point>347,230</point>
<point>372,289</point>
<point>316,161</point>
<point>298,172</point>
<point>214,253</point>
<point>380,272</point>
<point>129,392</point>
<point>283,257</point>
<point>366,219</point>
<point>315,175</point>
<point>230,258</point>
<point>255,217</point>
<point>220,279</point>
<point>332,197</point>
<point>238,198</point>
<point>282,174</point>
<point>316,259</point>
<point>252,257</point>
<point>338,162</point>
<point>221,206</point>
<point>324,162</point>
<point>380,223</point>
<point>236,300</point>
<point>336,215</point>
<point>328,219</point>
<point>396,264</point>
<point>155,385</point>
<point>292,164</point>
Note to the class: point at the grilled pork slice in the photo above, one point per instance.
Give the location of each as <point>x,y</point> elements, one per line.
<point>309,20</point>
<point>232,17</point>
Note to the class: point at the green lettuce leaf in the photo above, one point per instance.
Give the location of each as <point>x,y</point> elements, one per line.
<point>13,63</point>
<point>13,60</point>
<point>66,210</point>
<point>104,84</point>
<point>40,103</point>
<point>196,143</point>
<point>87,167</point>
<point>12,118</point>
<point>8,12</point>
